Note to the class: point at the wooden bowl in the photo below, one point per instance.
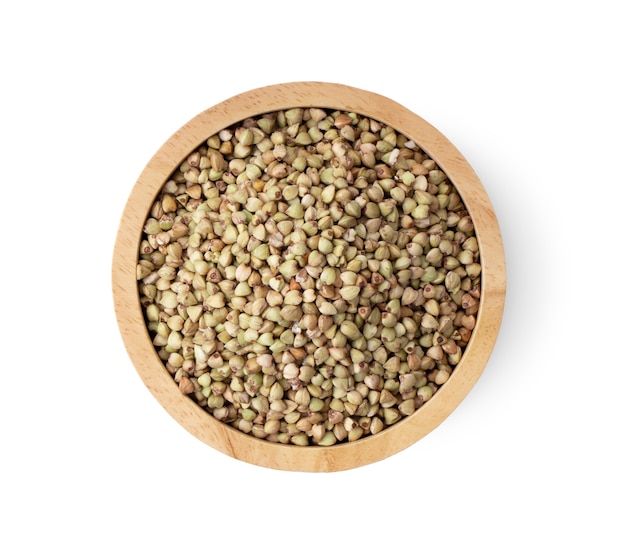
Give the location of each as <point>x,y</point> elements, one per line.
<point>197,420</point>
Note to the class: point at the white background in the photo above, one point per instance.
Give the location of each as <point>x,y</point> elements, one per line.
<point>531,93</point>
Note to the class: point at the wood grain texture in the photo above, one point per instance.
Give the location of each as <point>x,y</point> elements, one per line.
<point>225,438</point>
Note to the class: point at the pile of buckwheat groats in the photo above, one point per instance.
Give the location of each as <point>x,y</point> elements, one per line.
<point>309,276</point>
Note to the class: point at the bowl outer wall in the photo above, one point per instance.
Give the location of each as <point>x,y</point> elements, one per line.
<point>197,420</point>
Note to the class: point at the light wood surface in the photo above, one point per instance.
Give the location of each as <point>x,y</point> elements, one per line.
<point>225,438</point>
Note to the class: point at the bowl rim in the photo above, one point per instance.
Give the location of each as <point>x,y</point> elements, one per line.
<point>226,438</point>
